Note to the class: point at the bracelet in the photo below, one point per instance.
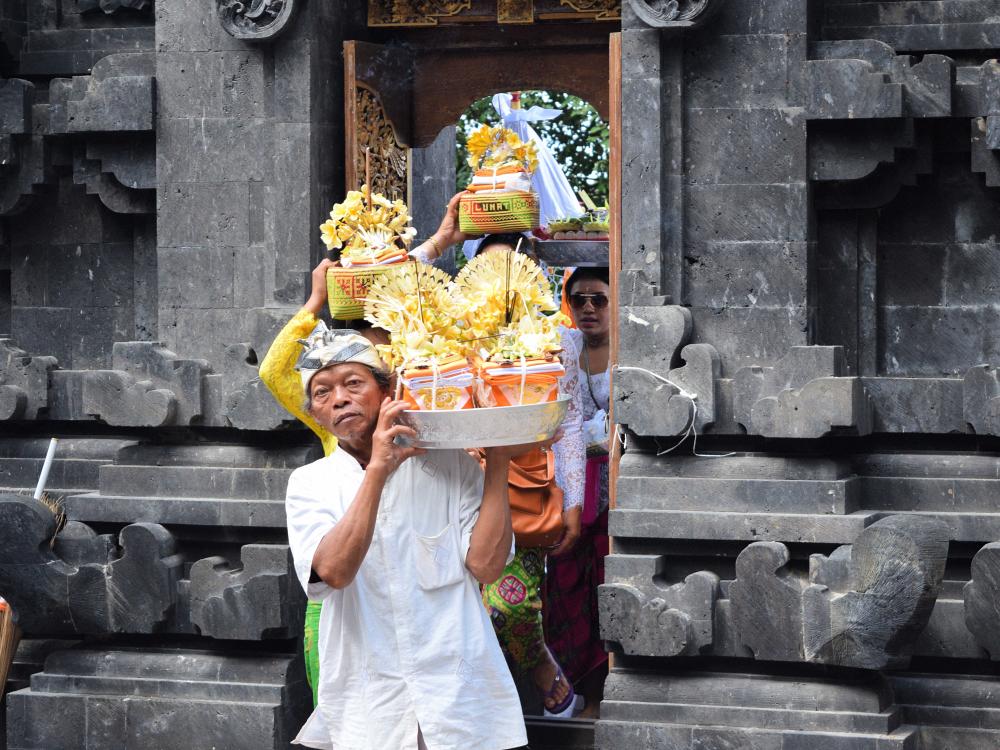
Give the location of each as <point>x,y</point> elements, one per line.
<point>437,248</point>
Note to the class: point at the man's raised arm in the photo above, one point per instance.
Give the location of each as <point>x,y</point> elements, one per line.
<point>342,550</point>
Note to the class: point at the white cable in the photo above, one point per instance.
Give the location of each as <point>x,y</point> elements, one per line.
<point>691,428</point>
<point>681,391</point>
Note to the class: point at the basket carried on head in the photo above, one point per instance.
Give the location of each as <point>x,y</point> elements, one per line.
<point>10,635</point>
<point>498,212</point>
<point>347,288</point>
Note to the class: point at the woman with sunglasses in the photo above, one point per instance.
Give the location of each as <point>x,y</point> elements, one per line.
<point>571,613</point>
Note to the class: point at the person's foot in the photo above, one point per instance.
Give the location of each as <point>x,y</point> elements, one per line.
<point>551,682</point>
<point>591,710</point>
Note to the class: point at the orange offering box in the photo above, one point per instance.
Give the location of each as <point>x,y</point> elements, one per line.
<point>446,386</point>
<point>533,381</point>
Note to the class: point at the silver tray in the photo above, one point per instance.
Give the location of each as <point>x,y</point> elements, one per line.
<point>487,428</point>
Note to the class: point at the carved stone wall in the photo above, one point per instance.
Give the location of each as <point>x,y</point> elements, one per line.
<point>163,169</point>
<point>810,223</point>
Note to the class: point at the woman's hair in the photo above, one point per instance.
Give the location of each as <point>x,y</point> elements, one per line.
<point>506,238</point>
<point>595,273</point>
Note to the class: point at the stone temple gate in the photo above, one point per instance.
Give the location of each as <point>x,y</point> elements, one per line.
<point>808,208</point>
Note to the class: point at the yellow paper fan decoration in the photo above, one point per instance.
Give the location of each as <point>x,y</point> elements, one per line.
<point>413,303</point>
<point>504,296</point>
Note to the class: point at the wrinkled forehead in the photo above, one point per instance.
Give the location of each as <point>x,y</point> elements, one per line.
<point>338,372</point>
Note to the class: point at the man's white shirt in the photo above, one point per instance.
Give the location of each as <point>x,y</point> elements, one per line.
<point>409,641</point>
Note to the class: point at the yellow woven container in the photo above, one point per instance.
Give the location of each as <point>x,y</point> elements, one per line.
<point>498,212</point>
<point>347,288</point>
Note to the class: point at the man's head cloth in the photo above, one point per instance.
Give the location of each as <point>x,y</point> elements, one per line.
<point>325,348</point>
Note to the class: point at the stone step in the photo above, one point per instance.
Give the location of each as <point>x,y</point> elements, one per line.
<point>194,481</point>
<point>752,527</point>
<point>75,467</point>
<point>219,454</point>
<point>183,511</point>
<point>178,699</point>
<point>559,734</point>
<point>611,735</point>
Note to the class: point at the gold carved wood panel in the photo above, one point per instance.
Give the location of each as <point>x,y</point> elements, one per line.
<point>373,130</point>
<point>415,13</point>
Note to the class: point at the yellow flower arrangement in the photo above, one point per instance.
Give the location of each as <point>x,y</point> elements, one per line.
<point>369,228</point>
<point>413,302</point>
<point>504,298</point>
<point>494,146</point>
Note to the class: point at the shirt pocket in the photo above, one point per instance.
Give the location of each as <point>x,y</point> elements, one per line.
<point>437,559</point>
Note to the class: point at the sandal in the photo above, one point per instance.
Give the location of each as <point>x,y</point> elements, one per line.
<point>551,694</point>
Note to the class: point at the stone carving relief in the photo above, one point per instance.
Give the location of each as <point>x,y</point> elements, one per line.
<point>252,601</point>
<point>388,157</point>
<point>982,599</point>
<point>679,14</point>
<point>648,620</point>
<point>657,336</point>
<point>81,583</point>
<point>863,606</point>
<point>24,382</point>
<point>804,396</point>
<point>255,20</point>
<point>148,386</point>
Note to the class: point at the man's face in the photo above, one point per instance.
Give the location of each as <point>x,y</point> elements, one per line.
<point>346,400</point>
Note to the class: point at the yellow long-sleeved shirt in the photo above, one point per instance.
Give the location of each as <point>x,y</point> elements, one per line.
<point>278,373</point>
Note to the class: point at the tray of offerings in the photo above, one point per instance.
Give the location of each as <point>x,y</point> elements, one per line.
<point>487,427</point>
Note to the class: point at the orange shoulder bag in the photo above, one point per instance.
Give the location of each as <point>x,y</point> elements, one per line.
<point>535,499</point>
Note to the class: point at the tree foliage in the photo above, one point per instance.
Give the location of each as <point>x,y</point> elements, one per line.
<point>579,139</point>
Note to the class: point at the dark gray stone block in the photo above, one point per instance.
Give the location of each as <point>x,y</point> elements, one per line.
<point>259,599</point>
<point>982,598</point>
<point>643,401</point>
<point>150,386</point>
<point>87,698</point>
<point>707,710</point>
<point>803,396</point>
<point>24,382</point>
<point>863,606</point>
<point>99,589</point>
<point>657,621</point>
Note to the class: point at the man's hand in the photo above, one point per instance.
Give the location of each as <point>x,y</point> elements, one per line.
<point>317,297</point>
<point>571,530</point>
<point>386,454</point>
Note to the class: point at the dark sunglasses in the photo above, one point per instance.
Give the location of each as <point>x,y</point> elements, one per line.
<point>577,301</point>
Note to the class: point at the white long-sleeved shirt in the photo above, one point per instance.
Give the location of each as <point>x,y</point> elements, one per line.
<point>408,643</point>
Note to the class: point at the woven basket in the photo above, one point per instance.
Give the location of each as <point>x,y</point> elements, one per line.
<point>498,212</point>
<point>347,288</point>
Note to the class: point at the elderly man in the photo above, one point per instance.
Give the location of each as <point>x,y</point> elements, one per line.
<point>395,541</point>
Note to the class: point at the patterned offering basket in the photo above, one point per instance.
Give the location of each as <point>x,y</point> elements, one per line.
<point>498,212</point>
<point>347,288</point>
